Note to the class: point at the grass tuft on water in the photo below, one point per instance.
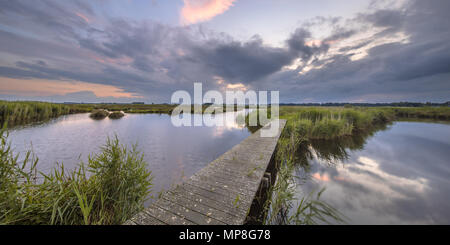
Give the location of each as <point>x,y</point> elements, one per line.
<point>99,114</point>
<point>116,115</point>
<point>109,189</point>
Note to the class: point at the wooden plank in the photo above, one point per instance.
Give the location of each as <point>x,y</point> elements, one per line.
<point>220,193</point>
<point>130,222</point>
<point>144,218</point>
<point>214,213</point>
<point>166,217</point>
<point>227,180</point>
<point>186,213</point>
<point>207,201</point>
<point>212,196</point>
<point>232,168</point>
<point>212,183</point>
<point>223,192</point>
<point>215,183</point>
<point>232,201</point>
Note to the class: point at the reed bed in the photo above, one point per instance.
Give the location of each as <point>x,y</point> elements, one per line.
<point>436,113</point>
<point>99,114</point>
<point>19,113</point>
<point>306,125</point>
<point>109,189</point>
<point>308,210</point>
<point>116,115</point>
<point>329,123</point>
<point>25,112</point>
<point>137,108</point>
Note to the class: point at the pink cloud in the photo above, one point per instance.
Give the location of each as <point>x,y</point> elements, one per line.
<point>202,10</point>
<point>323,177</point>
<point>42,87</point>
<point>118,61</point>
<point>86,19</point>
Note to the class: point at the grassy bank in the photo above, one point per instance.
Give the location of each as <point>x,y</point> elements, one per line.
<point>333,122</point>
<point>306,125</point>
<point>149,108</point>
<point>19,113</point>
<point>435,113</point>
<point>282,207</point>
<point>109,189</point>
<point>329,123</point>
<point>25,112</point>
<point>137,108</point>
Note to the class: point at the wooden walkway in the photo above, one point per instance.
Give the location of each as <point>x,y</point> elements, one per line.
<point>221,193</point>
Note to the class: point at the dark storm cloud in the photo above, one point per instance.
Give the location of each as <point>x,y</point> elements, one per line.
<point>97,47</point>
<point>56,18</point>
<point>15,44</point>
<point>418,69</point>
<point>53,40</point>
<point>70,97</point>
<point>247,62</point>
<point>127,38</point>
<point>340,34</point>
<point>297,47</point>
<point>12,72</point>
<point>385,18</point>
<point>107,76</point>
<point>240,62</point>
<point>151,46</point>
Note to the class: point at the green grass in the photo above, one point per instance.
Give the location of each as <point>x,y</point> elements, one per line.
<point>113,185</point>
<point>436,113</point>
<point>252,119</point>
<point>99,114</point>
<point>116,115</point>
<point>148,108</point>
<point>19,113</point>
<point>109,189</point>
<point>282,199</point>
<point>25,112</point>
<point>333,122</point>
<point>307,126</point>
<point>137,108</point>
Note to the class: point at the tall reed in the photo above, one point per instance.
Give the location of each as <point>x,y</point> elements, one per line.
<point>305,124</point>
<point>109,189</point>
<point>282,195</point>
<point>329,123</point>
<point>19,113</point>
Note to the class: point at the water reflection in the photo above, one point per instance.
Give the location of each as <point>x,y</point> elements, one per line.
<point>173,153</point>
<point>398,175</point>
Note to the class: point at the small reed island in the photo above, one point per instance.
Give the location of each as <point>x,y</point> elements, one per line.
<point>99,114</point>
<point>116,115</point>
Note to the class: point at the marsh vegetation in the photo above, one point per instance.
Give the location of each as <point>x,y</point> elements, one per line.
<point>26,112</point>
<point>111,187</point>
<point>116,115</point>
<point>99,114</point>
<point>20,113</point>
<point>70,139</point>
<point>329,131</point>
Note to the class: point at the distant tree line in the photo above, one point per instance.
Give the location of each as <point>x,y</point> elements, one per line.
<point>395,104</point>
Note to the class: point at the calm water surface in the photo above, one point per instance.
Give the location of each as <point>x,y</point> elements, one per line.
<point>172,153</point>
<point>399,175</point>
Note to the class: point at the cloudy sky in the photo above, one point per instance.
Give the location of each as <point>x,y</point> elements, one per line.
<point>144,50</point>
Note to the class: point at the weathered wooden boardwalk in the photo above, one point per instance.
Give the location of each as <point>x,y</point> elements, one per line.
<point>221,193</point>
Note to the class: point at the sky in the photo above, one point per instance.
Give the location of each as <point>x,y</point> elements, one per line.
<point>145,50</point>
